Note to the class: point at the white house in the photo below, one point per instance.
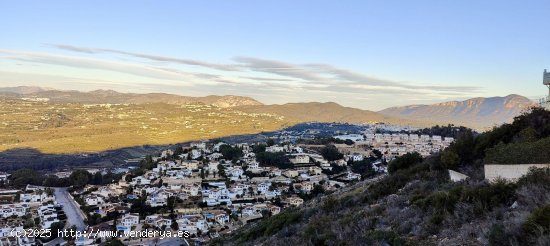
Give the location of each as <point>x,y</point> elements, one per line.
<point>140,180</point>
<point>356,157</point>
<point>295,201</point>
<point>274,149</point>
<point>127,221</point>
<point>300,159</point>
<point>8,210</point>
<point>93,200</point>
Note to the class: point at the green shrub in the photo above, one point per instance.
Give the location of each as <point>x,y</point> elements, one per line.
<point>329,204</point>
<point>497,235</point>
<point>486,197</point>
<point>405,161</point>
<point>271,225</point>
<point>536,176</point>
<point>538,223</point>
<point>520,153</point>
<point>377,236</point>
<point>449,159</point>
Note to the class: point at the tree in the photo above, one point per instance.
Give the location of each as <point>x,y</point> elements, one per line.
<point>449,159</point>
<point>55,228</point>
<point>331,153</point>
<point>270,142</point>
<point>349,142</point>
<point>363,167</point>
<point>97,179</point>
<point>26,176</point>
<point>258,148</point>
<point>273,159</point>
<point>54,181</point>
<point>405,161</point>
<point>230,153</point>
<point>178,151</point>
<point>171,203</point>
<point>464,146</point>
<point>174,225</point>
<point>377,153</point>
<point>80,177</point>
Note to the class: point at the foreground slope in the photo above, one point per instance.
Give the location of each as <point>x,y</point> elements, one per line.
<point>417,204</point>
<point>480,113</point>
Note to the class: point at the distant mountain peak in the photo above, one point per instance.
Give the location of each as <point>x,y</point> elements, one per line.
<point>24,89</point>
<point>479,112</point>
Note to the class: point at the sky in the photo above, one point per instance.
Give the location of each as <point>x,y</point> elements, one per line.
<point>363,54</point>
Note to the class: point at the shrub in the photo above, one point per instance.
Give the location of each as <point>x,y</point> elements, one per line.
<point>405,161</point>
<point>520,153</point>
<point>538,223</point>
<point>331,153</point>
<point>536,176</point>
<point>486,197</point>
<point>272,225</point>
<point>329,204</point>
<point>497,235</point>
<point>376,237</point>
<point>449,159</point>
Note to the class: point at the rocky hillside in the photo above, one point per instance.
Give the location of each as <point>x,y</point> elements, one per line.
<point>479,113</point>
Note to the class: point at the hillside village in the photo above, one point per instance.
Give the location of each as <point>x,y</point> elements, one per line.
<point>211,188</point>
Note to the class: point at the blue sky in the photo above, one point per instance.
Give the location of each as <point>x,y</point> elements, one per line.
<point>365,54</point>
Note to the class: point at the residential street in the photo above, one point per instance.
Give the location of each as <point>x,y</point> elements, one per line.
<point>73,212</point>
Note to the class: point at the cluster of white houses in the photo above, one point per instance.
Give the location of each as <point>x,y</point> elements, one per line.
<point>215,194</point>
<point>212,194</point>
<point>35,204</point>
<point>398,144</point>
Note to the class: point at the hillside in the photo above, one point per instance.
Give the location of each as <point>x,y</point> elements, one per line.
<point>417,204</point>
<point>57,121</point>
<point>326,112</point>
<point>114,97</point>
<point>22,89</point>
<point>55,127</point>
<point>479,113</point>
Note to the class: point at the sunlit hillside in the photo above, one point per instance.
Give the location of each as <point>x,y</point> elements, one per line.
<point>74,127</point>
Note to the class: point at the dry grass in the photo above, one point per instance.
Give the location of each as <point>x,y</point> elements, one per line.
<point>76,128</point>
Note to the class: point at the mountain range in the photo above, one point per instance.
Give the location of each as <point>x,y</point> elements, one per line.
<point>478,113</point>
<point>114,97</point>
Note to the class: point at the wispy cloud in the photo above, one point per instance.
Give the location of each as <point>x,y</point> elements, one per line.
<point>249,76</point>
<point>297,75</point>
<point>224,67</point>
<point>89,63</point>
<point>331,75</point>
<point>265,79</point>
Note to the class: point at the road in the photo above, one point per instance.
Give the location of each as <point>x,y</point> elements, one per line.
<point>73,212</point>
<point>160,242</point>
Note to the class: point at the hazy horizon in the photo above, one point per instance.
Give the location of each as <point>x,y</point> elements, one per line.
<point>255,98</point>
